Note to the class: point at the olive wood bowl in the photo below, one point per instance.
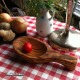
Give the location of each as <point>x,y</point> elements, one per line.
<point>42,53</point>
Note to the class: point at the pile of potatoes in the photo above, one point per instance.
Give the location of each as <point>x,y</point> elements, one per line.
<point>10,27</point>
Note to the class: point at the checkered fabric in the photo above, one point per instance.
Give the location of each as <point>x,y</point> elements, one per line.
<point>13,67</point>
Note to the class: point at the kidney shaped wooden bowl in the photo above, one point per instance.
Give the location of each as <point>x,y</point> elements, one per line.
<point>42,53</point>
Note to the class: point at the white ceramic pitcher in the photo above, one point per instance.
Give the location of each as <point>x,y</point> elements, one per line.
<point>44,23</point>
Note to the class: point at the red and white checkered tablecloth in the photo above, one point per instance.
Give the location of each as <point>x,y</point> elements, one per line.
<point>13,67</point>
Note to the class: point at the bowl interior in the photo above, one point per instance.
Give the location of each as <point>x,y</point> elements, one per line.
<point>38,47</point>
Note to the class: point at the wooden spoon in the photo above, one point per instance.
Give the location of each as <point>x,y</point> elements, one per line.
<point>42,53</point>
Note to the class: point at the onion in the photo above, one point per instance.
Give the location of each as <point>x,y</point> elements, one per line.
<point>5,17</point>
<point>18,25</point>
<point>4,26</point>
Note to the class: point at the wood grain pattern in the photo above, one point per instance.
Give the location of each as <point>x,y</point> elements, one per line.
<point>42,53</point>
